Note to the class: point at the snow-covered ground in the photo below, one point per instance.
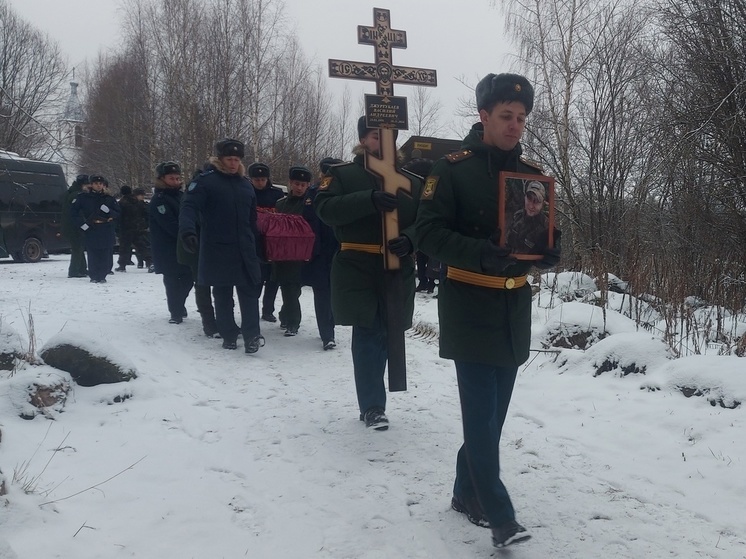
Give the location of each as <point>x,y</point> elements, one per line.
<point>219,454</point>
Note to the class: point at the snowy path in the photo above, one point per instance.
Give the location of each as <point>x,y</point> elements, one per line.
<point>263,456</point>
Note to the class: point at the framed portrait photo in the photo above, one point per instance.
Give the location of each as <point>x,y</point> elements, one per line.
<point>526,214</point>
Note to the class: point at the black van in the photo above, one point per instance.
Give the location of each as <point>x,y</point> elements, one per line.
<point>31,196</point>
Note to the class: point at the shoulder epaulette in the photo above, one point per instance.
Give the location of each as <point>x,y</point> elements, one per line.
<point>457,156</point>
<point>205,173</point>
<point>533,164</point>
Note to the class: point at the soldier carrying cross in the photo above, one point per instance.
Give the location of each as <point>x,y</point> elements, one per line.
<point>372,205</point>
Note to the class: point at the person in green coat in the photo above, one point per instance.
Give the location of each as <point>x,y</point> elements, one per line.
<point>78,267</point>
<point>352,201</point>
<point>484,304</point>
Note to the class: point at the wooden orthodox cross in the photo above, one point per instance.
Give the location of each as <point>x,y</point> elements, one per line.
<point>388,113</point>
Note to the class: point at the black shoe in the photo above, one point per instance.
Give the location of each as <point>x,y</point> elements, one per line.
<point>509,533</point>
<point>229,345</point>
<point>473,512</point>
<point>120,269</point>
<point>102,281</point>
<point>175,320</point>
<point>420,287</point>
<point>329,344</point>
<point>254,345</point>
<point>269,317</point>
<point>94,281</point>
<point>376,419</point>
<point>151,269</point>
<point>283,325</point>
<point>140,265</point>
<point>210,330</point>
<point>291,331</point>
<point>184,314</point>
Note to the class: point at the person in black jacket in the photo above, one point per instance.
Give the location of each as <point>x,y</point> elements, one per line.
<point>222,201</point>
<point>164,233</point>
<point>78,267</point>
<point>95,212</point>
<point>267,196</point>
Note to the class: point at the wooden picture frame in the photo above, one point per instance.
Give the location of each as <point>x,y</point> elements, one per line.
<point>524,231</point>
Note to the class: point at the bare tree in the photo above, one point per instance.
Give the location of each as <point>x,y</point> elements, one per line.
<point>424,113</point>
<point>32,73</point>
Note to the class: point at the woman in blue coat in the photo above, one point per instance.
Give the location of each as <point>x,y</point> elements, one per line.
<point>222,202</point>
<point>95,213</point>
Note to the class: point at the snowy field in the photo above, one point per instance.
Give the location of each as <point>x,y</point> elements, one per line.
<point>219,454</point>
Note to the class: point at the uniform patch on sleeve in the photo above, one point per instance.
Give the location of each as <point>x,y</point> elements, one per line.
<point>429,191</point>
<point>192,186</point>
<point>325,182</point>
<point>162,209</point>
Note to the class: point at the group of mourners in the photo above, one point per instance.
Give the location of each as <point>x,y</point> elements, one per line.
<point>209,236</point>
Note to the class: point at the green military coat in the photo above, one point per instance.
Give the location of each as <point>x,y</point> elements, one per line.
<point>357,278</point>
<point>457,215</point>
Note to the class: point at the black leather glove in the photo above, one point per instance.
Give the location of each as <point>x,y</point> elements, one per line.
<point>191,242</point>
<point>551,255</point>
<point>494,258</point>
<point>401,246</point>
<point>383,201</point>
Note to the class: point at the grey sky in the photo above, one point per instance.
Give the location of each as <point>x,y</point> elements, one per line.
<point>458,40</point>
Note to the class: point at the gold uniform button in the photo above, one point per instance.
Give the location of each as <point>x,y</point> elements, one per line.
<point>509,283</point>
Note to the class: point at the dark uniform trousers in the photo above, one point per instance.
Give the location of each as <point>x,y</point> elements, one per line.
<point>290,314</point>
<point>141,243</point>
<point>78,267</point>
<point>202,297</point>
<point>100,262</point>
<point>322,305</point>
<point>270,290</point>
<point>369,355</point>
<point>177,287</point>
<point>485,392</point>
<point>248,302</point>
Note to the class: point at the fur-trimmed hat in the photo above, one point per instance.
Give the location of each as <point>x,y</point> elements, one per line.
<point>167,168</point>
<point>327,162</point>
<point>97,178</point>
<point>257,170</point>
<point>82,179</point>
<point>363,130</point>
<point>300,173</point>
<point>229,148</point>
<point>504,88</point>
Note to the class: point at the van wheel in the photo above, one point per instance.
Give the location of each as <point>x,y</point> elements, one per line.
<point>32,250</point>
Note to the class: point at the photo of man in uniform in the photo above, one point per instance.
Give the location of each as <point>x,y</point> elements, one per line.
<point>530,224</point>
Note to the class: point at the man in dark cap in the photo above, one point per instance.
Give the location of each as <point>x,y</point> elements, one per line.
<point>164,237</point>
<point>267,196</point>
<point>95,212</point>
<point>222,202</point>
<point>457,223</point>
<point>133,228</point>
<point>78,267</point>
<point>352,201</point>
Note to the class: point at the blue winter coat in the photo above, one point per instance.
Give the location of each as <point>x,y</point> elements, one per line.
<point>87,209</point>
<point>164,229</point>
<point>224,206</point>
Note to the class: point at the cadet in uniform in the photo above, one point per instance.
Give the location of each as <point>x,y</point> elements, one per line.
<point>164,237</point>
<point>267,196</point>
<point>352,202</point>
<point>484,304</point>
<point>78,267</point>
<point>222,201</point>
<point>95,213</point>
